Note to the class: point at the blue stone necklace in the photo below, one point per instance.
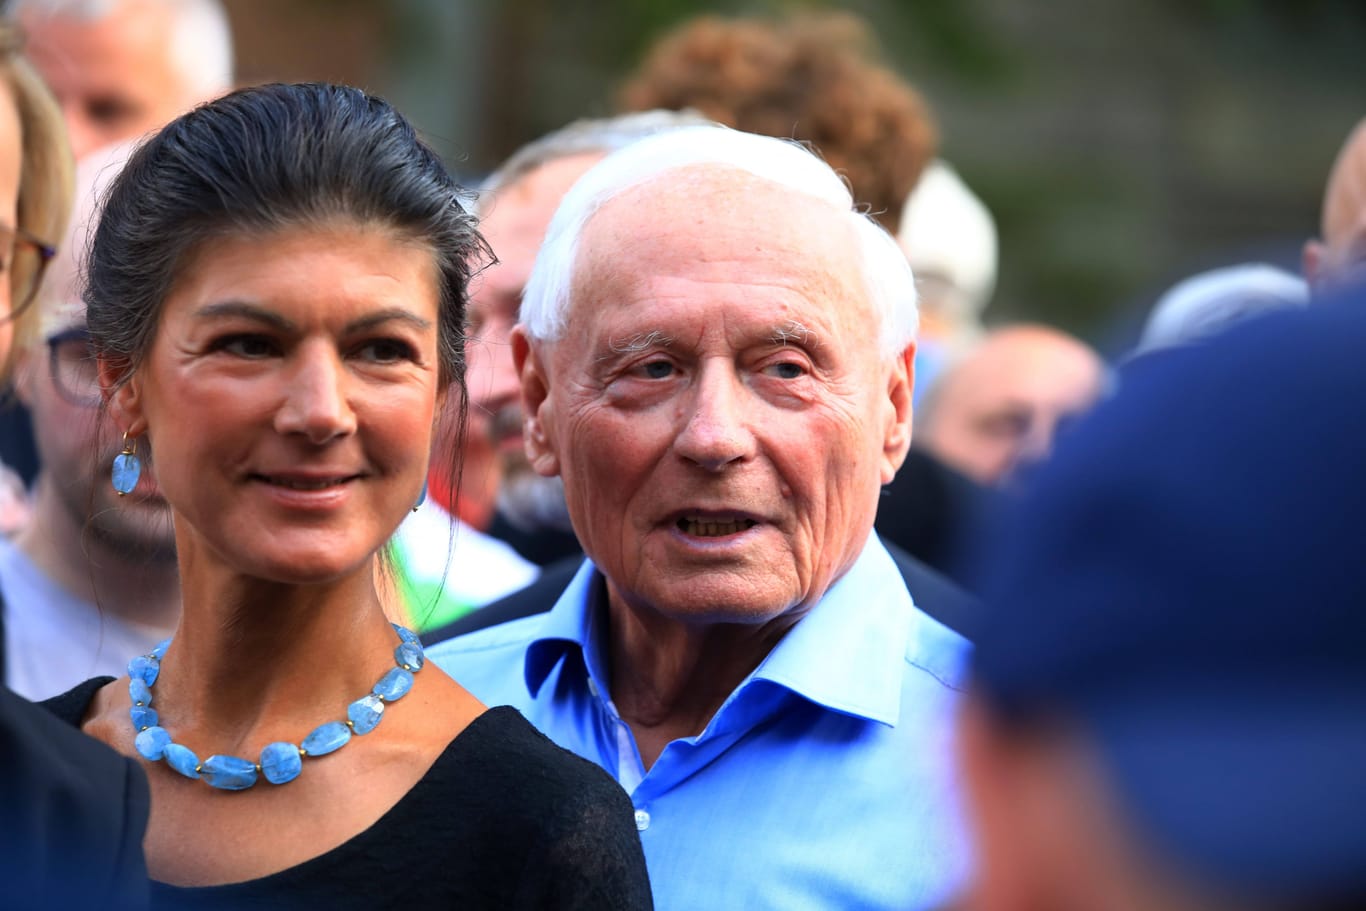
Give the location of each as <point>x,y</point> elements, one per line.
<point>280,761</point>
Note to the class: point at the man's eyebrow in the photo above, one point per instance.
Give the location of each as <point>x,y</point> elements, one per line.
<point>793,331</point>
<point>639,342</point>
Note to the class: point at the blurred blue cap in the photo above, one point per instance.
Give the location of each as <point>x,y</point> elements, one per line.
<point>1186,581</point>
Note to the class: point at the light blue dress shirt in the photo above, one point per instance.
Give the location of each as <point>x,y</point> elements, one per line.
<point>824,781</point>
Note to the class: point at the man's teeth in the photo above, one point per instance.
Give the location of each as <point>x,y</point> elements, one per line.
<point>709,528</point>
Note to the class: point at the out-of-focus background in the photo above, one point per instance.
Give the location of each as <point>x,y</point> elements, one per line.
<point>1121,144</point>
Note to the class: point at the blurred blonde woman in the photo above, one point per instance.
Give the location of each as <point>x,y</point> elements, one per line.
<point>35,198</point>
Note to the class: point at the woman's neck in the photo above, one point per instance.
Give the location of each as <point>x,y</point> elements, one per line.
<point>255,661</point>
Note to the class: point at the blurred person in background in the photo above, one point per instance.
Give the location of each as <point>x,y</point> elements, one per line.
<point>1166,699</point>
<point>813,77</point>
<point>91,579</point>
<point>1338,256</point>
<point>1200,307</point>
<point>997,409</point>
<point>120,69</point>
<point>510,520</point>
<point>949,238</point>
<point>932,509</point>
<point>715,351</point>
<point>72,812</point>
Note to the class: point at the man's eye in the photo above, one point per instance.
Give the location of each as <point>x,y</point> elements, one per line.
<point>657,370</point>
<point>787,370</point>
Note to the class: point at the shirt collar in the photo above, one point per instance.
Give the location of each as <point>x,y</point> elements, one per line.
<point>569,627</point>
<point>847,654</point>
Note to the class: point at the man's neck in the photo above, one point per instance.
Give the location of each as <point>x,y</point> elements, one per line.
<point>670,678</point>
<point>144,590</point>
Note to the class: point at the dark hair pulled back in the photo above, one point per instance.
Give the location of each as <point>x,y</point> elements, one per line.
<point>259,160</point>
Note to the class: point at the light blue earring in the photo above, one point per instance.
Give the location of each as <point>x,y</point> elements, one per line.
<point>422,497</point>
<point>127,467</point>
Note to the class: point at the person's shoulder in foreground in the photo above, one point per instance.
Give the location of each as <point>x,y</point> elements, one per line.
<point>72,814</point>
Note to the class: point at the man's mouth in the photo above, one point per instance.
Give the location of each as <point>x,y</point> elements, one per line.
<point>707,527</point>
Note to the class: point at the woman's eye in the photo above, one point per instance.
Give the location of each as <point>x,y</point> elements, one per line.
<point>248,346</point>
<point>387,351</point>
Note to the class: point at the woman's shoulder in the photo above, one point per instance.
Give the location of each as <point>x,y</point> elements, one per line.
<point>508,751</point>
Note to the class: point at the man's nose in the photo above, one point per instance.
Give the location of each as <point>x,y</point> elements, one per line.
<point>716,432</point>
<point>315,402</point>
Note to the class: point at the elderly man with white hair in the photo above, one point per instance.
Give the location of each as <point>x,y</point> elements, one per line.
<point>715,356</point>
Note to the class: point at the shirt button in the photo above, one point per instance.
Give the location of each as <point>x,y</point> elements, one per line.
<point>642,820</point>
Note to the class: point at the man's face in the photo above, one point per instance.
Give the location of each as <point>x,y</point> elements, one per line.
<point>114,77</point>
<point>1003,405</point>
<point>715,407</point>
<point>514,224</point>
<point>77,449</point>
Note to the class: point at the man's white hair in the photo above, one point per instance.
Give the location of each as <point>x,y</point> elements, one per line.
<point>201,38</point>
<point>887,275</point>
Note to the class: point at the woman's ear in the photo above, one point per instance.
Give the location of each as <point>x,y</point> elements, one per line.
<point>538,437</point>
<point>122,390</point>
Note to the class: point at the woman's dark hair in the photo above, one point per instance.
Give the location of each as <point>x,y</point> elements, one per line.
<point>256,161</point>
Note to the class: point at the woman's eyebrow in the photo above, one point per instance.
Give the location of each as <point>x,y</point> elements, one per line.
<point>370,320</point>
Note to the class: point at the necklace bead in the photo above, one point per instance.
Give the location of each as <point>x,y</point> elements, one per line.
<point>281,761</point>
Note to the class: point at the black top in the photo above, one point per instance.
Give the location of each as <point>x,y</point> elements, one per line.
<point>503,819</point>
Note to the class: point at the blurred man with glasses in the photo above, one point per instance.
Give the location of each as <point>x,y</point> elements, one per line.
<point>87,584</point>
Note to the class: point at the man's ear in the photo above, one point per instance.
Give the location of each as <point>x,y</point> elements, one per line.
<point>122,391</point>
<point>1311,261</point>
<point>900,395</point>
<point>537,434</point>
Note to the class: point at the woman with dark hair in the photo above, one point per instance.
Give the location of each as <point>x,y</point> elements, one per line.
<point>276,291</point>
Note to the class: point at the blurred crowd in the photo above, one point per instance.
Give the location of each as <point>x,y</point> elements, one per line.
<point>852,595</point>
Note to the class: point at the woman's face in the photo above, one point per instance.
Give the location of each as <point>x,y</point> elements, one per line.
<point>11,158</point>
<point>288,397</point>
